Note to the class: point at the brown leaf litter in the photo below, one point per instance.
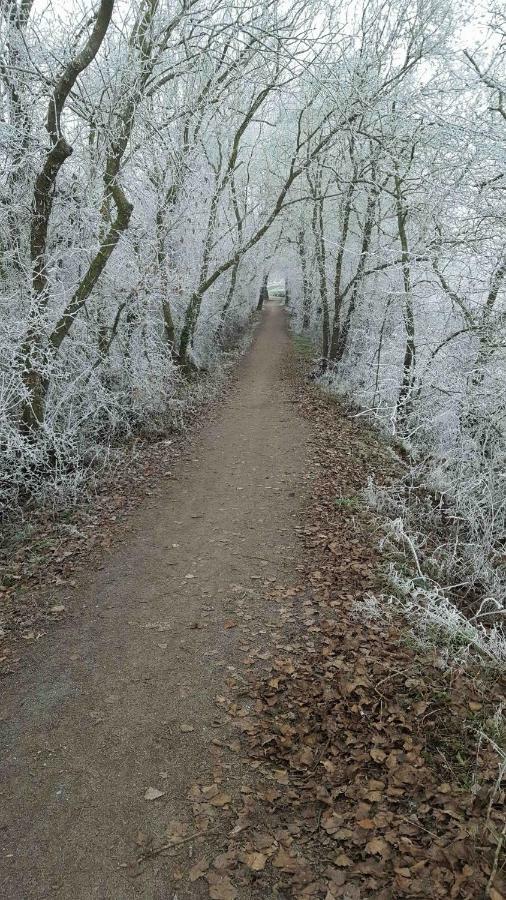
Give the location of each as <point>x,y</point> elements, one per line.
<point>366,776</point>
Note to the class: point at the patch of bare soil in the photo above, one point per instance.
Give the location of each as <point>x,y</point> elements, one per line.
<point>366,776</point>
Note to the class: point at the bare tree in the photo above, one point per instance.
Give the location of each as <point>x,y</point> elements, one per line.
<point>59,150</point>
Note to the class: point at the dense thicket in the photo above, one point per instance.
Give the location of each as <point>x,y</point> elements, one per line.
<point>133,199</point>
<point>159,157</point>
<point>398,258</point>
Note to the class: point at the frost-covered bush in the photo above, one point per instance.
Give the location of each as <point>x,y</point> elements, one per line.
<point>437,621</point>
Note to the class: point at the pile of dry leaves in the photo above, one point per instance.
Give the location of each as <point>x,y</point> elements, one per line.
<point>367,775</point>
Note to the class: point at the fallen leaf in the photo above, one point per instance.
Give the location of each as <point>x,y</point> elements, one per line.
<point>220,887</point>
<point>331,822</point>
<point>198,870</point>
<point>445,788</point>
<point>377,755</point>
<point>378,847</point>
<point>281,776</point>
<point>220,799</point>
<point>153,794</point>
<point>366,823</point>
<point>255,861</point>
<point>210,790</point>
<point>284,861</point>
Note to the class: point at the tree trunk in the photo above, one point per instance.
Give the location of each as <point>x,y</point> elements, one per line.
<point>306,294</point>
<point>264,293</point>
<point>34,350</point>
<point>338,271</point>
<point>287,293</point>
<point>341,330</point>
<point>404,404</point>
<point>169,330</point>
<point>187,332</point>
<point>321,266</point>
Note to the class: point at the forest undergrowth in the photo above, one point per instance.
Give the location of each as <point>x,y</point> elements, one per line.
<point>375,763</point>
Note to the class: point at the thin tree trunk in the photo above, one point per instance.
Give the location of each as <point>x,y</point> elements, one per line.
<point>338,271</point>
<point>485,350</point>
<point>231,290</point>
<point>306,294</point>
<point>409,361</point>
<point>322,273</point>
<point>95,269</point>
<point>235,268</point>
<point>17,16</point>
<point>193,308</point>
<point>264,293</point>
<point>320,253</point>
<point>343,334</point>
<point>169,330</point>
<point>342,329</point>
<point>376,396</point>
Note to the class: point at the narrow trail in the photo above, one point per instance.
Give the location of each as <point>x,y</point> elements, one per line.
<point>104,707</point>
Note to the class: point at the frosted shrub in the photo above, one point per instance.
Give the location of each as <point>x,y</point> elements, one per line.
<point>436,621</point>
<point>368,609</point>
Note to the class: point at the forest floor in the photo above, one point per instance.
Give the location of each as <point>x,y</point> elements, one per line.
<point>214,716</point>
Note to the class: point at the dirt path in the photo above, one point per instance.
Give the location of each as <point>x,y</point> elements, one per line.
<point>104,708</point>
